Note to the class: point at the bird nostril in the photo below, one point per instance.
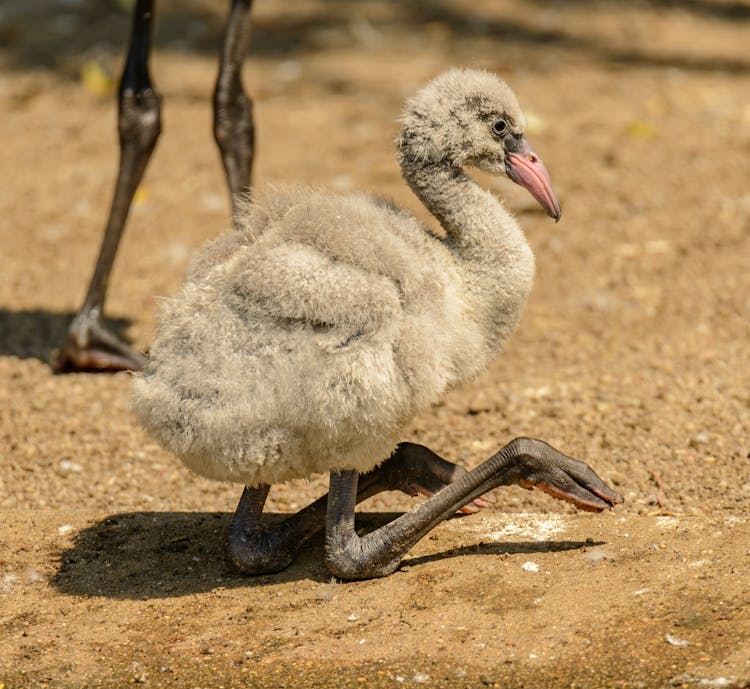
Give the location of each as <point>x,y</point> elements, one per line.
<point>532,157</point>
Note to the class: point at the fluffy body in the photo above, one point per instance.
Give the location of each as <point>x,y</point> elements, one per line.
<point>306,339</point>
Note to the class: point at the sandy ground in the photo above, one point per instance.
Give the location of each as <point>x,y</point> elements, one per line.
<point>632,355</point>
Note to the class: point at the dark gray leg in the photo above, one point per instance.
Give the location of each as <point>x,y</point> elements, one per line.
<point>419,472</point>
<point>233,110</point>
<point>259,548</point>
<point>524,461</point>
<point>89,344</point>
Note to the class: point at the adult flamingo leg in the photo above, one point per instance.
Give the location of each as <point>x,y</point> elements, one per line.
<point>233,110</point>
<point>90,344</point>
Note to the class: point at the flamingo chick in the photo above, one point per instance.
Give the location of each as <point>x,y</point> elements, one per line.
<point>306,339</point>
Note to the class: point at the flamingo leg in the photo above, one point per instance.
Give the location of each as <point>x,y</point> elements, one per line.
<point>233,109</point>
<point>523,461</point>
<point>256,547</point>
<point>90,345</point>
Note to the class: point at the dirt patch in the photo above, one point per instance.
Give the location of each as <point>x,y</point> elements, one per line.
<point>512,600</point>
<point>632,355</point>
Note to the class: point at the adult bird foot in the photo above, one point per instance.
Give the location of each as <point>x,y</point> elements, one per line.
<point>90,346</point>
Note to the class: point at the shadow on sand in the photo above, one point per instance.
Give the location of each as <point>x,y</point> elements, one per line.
<point>35,334</point>
<point>145,555</point>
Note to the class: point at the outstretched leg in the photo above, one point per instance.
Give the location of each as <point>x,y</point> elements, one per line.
<point>259,548</point>
<point>524,461</point>
<point>90,345</point>
<point>233,110</point>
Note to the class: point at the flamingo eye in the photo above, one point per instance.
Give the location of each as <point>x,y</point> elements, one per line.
<point>499,127</point>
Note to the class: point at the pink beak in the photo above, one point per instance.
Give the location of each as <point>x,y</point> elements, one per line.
<point>526,168</point>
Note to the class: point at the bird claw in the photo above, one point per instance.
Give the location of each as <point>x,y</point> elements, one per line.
<point>576,483</point>
<point>90,346</point>
<point>70,359</point>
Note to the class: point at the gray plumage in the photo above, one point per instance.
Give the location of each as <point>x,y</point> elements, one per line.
<point>306,339</point>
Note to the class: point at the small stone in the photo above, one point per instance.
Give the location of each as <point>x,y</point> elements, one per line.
<point>530,566</point>
<point>674,641</point>
<point>139,673</point>
<point>699,439</point>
